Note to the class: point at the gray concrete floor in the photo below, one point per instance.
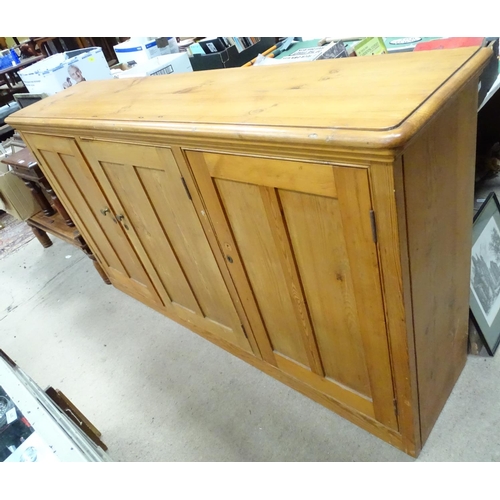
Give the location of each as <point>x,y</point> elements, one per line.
<point>159,392</point>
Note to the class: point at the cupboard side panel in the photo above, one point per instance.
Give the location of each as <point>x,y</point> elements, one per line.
<point>439,188</point>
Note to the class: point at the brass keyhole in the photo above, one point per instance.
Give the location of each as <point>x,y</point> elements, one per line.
<point>121,218</point>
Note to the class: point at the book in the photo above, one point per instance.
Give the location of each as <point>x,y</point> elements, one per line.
<point>333,50</point>
<point>396,44</point>
<point>370,47</point>
<point>237,43</point>
<point>195,48</point>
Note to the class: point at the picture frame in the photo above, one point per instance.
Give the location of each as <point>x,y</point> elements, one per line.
<point>485,273</point>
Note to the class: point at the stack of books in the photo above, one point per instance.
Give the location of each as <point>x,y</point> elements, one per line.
<point>212,45</point>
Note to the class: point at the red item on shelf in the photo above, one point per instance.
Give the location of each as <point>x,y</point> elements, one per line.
<point>450,43</point>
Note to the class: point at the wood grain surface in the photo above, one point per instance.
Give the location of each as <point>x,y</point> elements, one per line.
<point>372,101</point>
<point>313,219</point>
<point>439,190</point>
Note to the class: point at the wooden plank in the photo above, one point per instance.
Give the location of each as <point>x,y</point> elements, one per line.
<point>234,336</point>
<point>126,193</point>
<point>131,287</point>
<point>247,218</point>
<point>318,242</point>
<point>439,185</point>
<point>387,185</point>
<point>324,94</point>
<point>55,224</point>
<point>114,152</point>
<point>344,395</point>
<point>292,175</point>
<point>75,415</point>
<point>228,248</point>
<point>177,216</point>
<point>62,145</point>
<point>291,275</point>
<point>315,152</point>
<point>355,206</point>
<point>208,229</point>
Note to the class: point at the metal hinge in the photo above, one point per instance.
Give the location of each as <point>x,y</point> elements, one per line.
<point>186,188</point>
<point>244,331</point>
<point>374,226</point>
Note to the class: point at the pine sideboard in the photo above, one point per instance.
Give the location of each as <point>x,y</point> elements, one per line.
<point>313,219</point>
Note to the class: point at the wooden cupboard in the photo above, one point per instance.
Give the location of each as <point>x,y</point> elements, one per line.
<point>313,219</point>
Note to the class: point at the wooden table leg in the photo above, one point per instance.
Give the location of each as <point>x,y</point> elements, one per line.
<point>92,257</point>
<point>40,198</point>
<point>100,270</point>
<point>42,237</point>
<point>58,204</point>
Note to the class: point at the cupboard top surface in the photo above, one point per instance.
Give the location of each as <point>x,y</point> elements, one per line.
<point>374,101</point>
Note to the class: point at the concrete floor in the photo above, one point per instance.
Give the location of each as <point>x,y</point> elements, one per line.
<point>158,392</point>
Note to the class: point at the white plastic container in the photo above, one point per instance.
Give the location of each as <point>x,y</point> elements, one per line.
<point>136,49</point>
<point>162,65</point>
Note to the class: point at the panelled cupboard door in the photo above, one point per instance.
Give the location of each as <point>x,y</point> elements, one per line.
<point>145,188</point>
<point>69,174</point>
<point>298,240</point>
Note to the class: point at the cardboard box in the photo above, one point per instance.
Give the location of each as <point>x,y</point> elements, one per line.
<point>136,49</point>
<point>162,65</point>
<point>230,58</point>
<point>15,198</point>
<point>60,71</point>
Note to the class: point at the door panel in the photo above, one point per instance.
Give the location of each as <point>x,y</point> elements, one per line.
<point>247,216</point>
<point>126,185</point>
<point>144,185</point>
<point>69,174</point>
<point>299,236</point>
<point>317,237</point>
